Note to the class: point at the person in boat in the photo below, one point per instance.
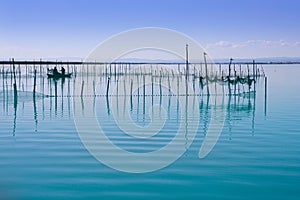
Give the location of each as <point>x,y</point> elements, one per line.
<point>63,71</point>
<point>55,71</point>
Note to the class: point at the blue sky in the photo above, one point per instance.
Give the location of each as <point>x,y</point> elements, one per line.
<point>226,28</point>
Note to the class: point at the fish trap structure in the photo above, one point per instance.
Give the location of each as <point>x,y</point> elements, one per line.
<point>128,78</point>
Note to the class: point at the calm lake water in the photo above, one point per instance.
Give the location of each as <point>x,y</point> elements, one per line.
<point>257,155</point>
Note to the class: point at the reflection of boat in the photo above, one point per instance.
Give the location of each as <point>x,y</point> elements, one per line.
<point>59,75</point>
<point>250,94</point>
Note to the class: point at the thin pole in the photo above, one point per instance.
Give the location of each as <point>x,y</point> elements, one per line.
<point>34,82</point>
<point>253,68</point>
<point>187,60</point>
<point>15,82</point>
<point>254,76</point>
<point>229,67</point>
<point>206,75</point>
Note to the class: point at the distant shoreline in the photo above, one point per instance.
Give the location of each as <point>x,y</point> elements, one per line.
<point>45,62</point>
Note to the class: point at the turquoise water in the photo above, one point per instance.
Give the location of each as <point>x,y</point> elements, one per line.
<point>256,156</point>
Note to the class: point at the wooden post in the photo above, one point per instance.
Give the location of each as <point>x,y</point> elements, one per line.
<point>94,88</point>
<point>34,83</point>
<point>248,71</point>
<point>254,76</point>
<point>117,86</point>
<point>229,67</point>
<point>187,60</point>
<point>131,85</point>
<point>19,75</point>
<point>160,89</point>
<point>40,67</point>
<point>235,81</point>
<point>138,82</point>
<point>152,87</point>
<point>124,87</point>
<point>15,83</point>
<point>26,72</point>
<point>177,86</point>
<point>206,73</point>
<point>234,71</point>
<point>253,68</point>
<point>169,84</point>
<point>14,71</point>
<point>144,87</point>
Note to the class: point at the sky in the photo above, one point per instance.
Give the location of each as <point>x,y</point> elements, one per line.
<point>34,29</point>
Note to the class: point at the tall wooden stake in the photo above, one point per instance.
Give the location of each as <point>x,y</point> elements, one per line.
<point>187,60</point>
<point>34,83</point>
<point>206,73</point>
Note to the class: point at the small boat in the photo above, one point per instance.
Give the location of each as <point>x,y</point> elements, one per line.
<point>59,75</point>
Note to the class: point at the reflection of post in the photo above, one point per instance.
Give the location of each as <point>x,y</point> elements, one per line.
<point>177,109</point>
<point>82,105</point>
<point>124,105</point>
<point>206,113</point>
<point>169,107</point>
<point>229,116</point>
<point>124,87</point>
<point>35,113</point>
<point>107,106</point>
<point>144,98</point>
<point>62,95</point>
<point>6,93</point>
<point>138,102</point>
<point>15,113</point>
<point>160,88</point>
<point>186,115</point>
<point>131,85</point>
<point>55,96</point>
<point>117,86</point>
<point>43,93</point>
<point>265,96</point>
<point>50,97</point>
<point>3,85</point>
<point>94,89</point>
<point>152,87</point>
<point>253,112</point>
<point>235,82</point>
<point>69,99</point>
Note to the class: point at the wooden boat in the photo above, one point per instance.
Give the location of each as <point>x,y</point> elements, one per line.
<point>59,75</point>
